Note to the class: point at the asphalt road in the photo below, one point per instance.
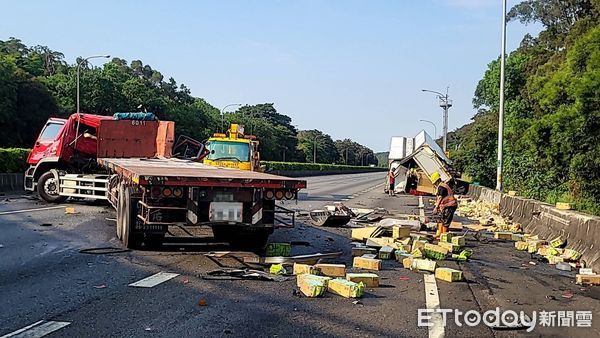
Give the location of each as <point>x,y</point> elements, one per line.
<point>44,277</point>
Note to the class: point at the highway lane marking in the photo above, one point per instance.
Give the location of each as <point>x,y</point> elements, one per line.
<point>154,280</point>
<point>29,210</point>
<point>421,210</point>
<point>432,300</point>
<point>37,329</point>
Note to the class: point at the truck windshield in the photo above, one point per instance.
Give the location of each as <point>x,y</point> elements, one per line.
<point>223,150</point>
<point>49,133</point>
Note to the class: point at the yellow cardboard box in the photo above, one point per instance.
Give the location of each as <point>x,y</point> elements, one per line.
<point>366,263</point>
<point>370,280</point>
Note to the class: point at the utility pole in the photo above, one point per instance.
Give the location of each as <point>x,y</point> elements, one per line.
<point>445,104</point>
<point>501,107</point>
<point>315,148</point>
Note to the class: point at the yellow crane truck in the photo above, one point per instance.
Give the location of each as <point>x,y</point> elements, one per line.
<point>233,149</point>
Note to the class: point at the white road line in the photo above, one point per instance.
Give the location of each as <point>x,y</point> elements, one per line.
<point>154,280</point>
<point>432,300</point>
<point>421,210</point>
<point>29,210</point>
<point>37,329</point>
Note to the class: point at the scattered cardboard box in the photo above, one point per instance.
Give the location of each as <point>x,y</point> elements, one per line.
<point>299,269</point>
<point>450,247</point>
<point>370,280</point>
<point>423,264</point>
<point>345,288</point>
<point>521,246</point>
<point>380,241</point>
<point>386,252</point>
<point>503,235</point>
<point>360,234</point>
<point>563,206</point>
<point>446,237</point>
<point>448,275</point>
<point>400,231</point>
<point>588,279</point>
<point>407,262</point>
<point>332,270</point>
<point>359,251</point>
<point>312,285</point>
<point>366,263</point>
<point>458,240</point>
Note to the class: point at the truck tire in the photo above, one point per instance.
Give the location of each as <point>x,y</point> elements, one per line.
<point>47,188</point>
<point>120,211</point>
<point>130,238</point>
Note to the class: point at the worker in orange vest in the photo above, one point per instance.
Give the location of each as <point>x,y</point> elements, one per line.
<point>445,203</point>
<point>392,181</point>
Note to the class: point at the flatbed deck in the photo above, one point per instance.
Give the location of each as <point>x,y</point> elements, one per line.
<point>146,171</point>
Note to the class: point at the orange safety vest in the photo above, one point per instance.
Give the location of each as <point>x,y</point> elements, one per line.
<point>449,200</point>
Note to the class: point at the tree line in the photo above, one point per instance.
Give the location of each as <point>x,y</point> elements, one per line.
<point>37,83</point>
<point>552,109</point>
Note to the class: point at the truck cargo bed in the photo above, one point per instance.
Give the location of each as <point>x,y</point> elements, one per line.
<point>147,171</point>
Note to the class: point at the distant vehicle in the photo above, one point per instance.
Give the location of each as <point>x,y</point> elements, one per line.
<point>233,150</point>
<point>128,161</point>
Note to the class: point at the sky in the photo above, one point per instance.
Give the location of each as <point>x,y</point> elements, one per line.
<point>351,68</point>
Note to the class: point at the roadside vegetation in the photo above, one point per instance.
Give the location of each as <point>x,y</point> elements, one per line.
<point>37,83</point>
<point>552,109</point>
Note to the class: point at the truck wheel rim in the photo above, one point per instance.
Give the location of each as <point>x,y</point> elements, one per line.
<point>50,186</point>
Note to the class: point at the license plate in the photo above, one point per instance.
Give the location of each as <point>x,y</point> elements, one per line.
<point>226,211</point>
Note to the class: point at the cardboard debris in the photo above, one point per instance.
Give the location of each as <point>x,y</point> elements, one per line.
<point>386,252</point>
<point>503,235</point>
<point>407,262</point>
<point>312,285</point>
<point>435,251</point>
<point>380,241</point>
<point>366,263</point>
<point>417,253</point>
<point>418,244</point>
<point>588,279</point>
<point>563,206</point>
<point>557,242</point>
<point>448,275</point>
<point>446,237</point>
<point>401,254</point>
<point>458,240</point>
<point>362,234</point>
<point>586,271</point>
<point>400,231</point>
<point>332,270</point>
<point>534,246</point>
<point>370,280</point>
<point>69,210</point>
<point>299,269</point>
<point>555,259</point>
<point>423,265</point>
<point>359,251</point>
<point>345,288</point>
<point>572,255</point>
<point>518,237</point>
<point>453,248</point>
<point>521,246</point>
<point>370,256</point>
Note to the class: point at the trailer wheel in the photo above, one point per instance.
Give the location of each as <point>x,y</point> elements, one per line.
<point>131,239</point>
<point>47,187</point>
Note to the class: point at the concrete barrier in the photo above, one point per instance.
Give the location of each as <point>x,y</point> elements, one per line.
<point>11,182</point>
<point>581,231</point>
<point>307,173</point>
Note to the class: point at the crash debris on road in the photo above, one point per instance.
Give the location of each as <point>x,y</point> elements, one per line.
<point>553,251</point>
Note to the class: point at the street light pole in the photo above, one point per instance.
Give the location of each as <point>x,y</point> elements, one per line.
<point>78,67</point>
<point>78,110</point>
<point>445,103</point>
<point>223,114</point>
<point>434,127</point>
<point>501,107</point>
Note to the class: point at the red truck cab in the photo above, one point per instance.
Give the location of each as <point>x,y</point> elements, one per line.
<point>64,144</point>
